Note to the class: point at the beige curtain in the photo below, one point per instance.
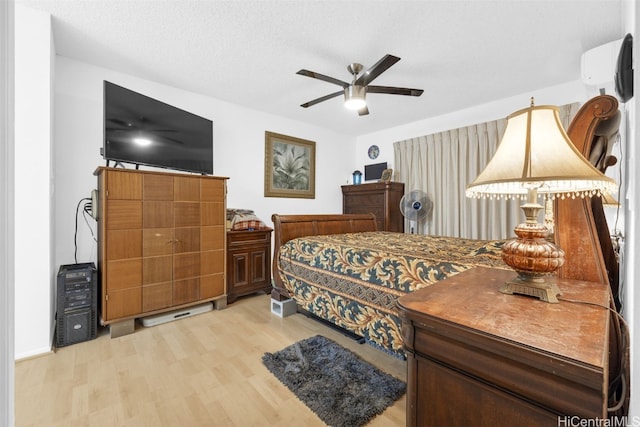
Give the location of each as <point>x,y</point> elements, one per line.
<point>443,164</point>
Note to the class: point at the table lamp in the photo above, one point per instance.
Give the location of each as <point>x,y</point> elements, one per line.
<point>536,156</point>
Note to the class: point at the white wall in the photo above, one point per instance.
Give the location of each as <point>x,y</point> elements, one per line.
<point>33,203</point>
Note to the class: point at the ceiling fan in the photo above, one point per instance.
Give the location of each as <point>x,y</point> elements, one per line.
<point>355,92</point>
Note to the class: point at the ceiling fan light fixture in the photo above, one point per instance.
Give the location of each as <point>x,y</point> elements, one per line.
<point>354,97</point>
<point>142,141</point>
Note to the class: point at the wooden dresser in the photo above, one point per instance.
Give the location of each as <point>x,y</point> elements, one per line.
<point>161,242</point>
<point>482,358</point>
<point>248,262</point>
<point>379,198</point>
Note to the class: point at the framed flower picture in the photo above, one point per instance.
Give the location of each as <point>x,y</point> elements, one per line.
<point>289,167</point>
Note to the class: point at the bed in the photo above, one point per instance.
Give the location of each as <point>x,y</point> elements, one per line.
<point>354,279</point>
<point>341,269</point>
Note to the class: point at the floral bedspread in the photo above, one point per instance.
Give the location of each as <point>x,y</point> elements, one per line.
<point>354,280</point>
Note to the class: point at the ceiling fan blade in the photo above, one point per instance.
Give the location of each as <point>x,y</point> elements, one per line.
<point>363,111</point>
<point>171,140</point>
<point>378,68</point>
<point>322,98</point>
<point>119,122</point>
<point>322,77</point>
<point>394,90</point>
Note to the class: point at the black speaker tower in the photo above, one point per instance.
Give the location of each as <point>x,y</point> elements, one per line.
<point>77,304</point>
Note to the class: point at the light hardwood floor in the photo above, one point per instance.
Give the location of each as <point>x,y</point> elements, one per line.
<point>204,370</point>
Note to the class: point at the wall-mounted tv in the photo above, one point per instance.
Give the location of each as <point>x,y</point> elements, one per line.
<point>144,131</point>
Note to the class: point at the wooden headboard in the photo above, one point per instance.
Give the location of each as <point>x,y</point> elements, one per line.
<point>581,228</point>
<point>289,227</point>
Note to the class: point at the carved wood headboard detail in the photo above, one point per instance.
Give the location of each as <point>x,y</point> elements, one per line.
<point>580,224</point>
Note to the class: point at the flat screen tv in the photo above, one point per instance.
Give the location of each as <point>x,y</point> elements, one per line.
<point>374,171</point>
<point>144,131</point>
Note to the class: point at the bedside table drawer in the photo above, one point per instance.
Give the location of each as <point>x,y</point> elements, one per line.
<point>248,237</point>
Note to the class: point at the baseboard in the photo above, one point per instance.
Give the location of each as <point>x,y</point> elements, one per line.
<point>34,355</point>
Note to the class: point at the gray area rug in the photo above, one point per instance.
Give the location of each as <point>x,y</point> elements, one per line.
<point>341,388</point>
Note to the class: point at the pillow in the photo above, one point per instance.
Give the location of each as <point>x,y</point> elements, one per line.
<point>231,212</point>
<point>247,221</point>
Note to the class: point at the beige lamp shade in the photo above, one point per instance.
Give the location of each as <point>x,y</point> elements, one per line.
<point>535,151</point>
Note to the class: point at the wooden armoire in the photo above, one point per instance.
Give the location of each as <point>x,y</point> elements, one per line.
<point>161,242</point>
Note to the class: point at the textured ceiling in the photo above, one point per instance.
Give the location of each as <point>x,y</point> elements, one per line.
<point>462,53</point>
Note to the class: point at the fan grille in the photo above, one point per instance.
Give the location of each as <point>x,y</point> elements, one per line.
<point>416,206</point>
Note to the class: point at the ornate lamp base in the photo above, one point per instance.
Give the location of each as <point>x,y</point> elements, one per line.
<point>538,288</point>
<point>533,257</point>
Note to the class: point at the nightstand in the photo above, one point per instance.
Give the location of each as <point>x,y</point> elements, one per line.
<point>248,262</point>
<point>478,357</point>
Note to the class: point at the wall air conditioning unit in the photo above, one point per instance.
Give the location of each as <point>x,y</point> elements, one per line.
<point>598,67</point>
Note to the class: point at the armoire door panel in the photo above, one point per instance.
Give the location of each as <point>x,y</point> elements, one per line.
<point>157,269</point>
<point>187,240</point>
<point>212,213</point>
<point>157,214</point>
<point>211,262</point>
<point>156,297</point>
<point>187,214</point>
<point>122,244</point>
<point>124,185</point>
<point>124,214</point>
<point>186,189</point>
<point>157,242</point>
<point>124,274</point>
<point>211,286</point>
<point>212,190</point>
<point>158,187</point>
<point>212,238</point>
<point>186,266</point>
<point>185,291</point>
<point>127,302</point>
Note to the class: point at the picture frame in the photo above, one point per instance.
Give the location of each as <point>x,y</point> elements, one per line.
<point>289,166</point>
<point>386,176</point>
